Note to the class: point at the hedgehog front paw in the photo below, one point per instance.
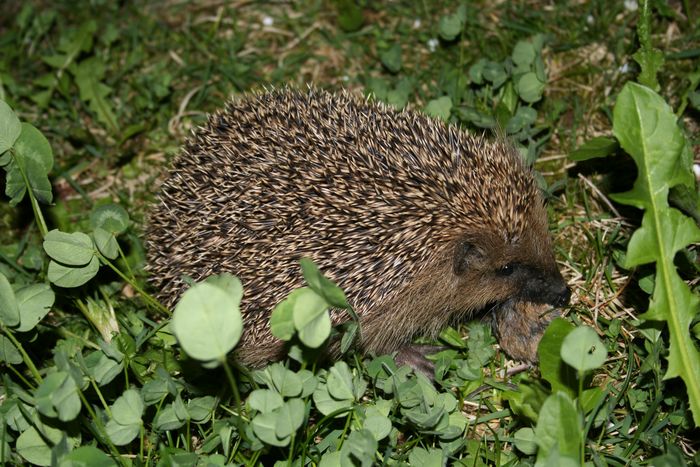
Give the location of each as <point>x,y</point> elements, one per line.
<point>415,356</point>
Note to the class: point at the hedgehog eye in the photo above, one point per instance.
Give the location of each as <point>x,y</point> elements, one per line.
<point>506,270</point>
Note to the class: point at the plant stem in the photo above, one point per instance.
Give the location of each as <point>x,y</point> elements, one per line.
<point>25,357</point>
<point>38,216</point>
<point>150,300</point>
<point>234,386</point>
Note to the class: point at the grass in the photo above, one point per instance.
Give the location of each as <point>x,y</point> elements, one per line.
<point>159,69</point>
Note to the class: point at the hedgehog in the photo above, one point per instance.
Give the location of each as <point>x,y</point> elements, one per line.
<point>423,224</point>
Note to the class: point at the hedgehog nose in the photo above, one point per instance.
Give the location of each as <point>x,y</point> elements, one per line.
<point>563,298</point>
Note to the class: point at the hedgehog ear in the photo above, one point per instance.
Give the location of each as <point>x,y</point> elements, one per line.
<point>464,256</point>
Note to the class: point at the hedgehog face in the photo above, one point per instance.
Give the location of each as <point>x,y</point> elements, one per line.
<point>500,270</point>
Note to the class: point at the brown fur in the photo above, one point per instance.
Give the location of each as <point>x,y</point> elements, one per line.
<point>414,219</point>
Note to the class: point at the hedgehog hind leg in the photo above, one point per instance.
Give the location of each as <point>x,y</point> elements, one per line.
<point>416,357</point>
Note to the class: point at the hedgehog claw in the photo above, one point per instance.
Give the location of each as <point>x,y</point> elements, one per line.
<point>415,356</point>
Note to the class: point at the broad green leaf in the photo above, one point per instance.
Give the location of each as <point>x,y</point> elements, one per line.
<point>106,242</point>
<point>426,457</point>
<point>360,445</point>
<point>391,58</point>
<point>523,116</point>
<point>523,53</point>
<point>228,283</point>
<point>207,322</point>
<point>558,428</point>
<point>87,456</point>
<point>71,249</point>
<point>110,217</point>
<point>33,448</point>
<point>311,317</point>
<point>128,408</point>
<point>265,400</point>
<point>121,435</point>
<point>264,426</point>
<point>66,399</point>
<point>439,108</point>
<point>35,301</point>
<point>282,317</point>
<point>323,286</point>
<point>340,382</point>
<point>376,423</point>
<point>9,308</point>
<point>15,187</point>
<point>600,146</point>
<point>103,367</point>
<point>525,441</point>
<point>554,371</point>
<point>201,408</point>
<point>450,26</point>
<point>67,276</point>
<point>583,349</point>
<point>36,448</point>
<point>289,418</point>
<point>349,15</point>
<point>10,127</point>
<point>57,396</point>
<point>286,382</point>
<point>167,419</point>
<point>327,404</point>
<point>8,352</point>
<point>529,87</point>
<point>646,128</point>
<point>309,381</point>
<point>32,144</point>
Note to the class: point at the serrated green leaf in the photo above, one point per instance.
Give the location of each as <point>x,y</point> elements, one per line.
<point>10,127</point>
<point>646,128</point>
<point>600,146</point>
<point>88,74</point>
